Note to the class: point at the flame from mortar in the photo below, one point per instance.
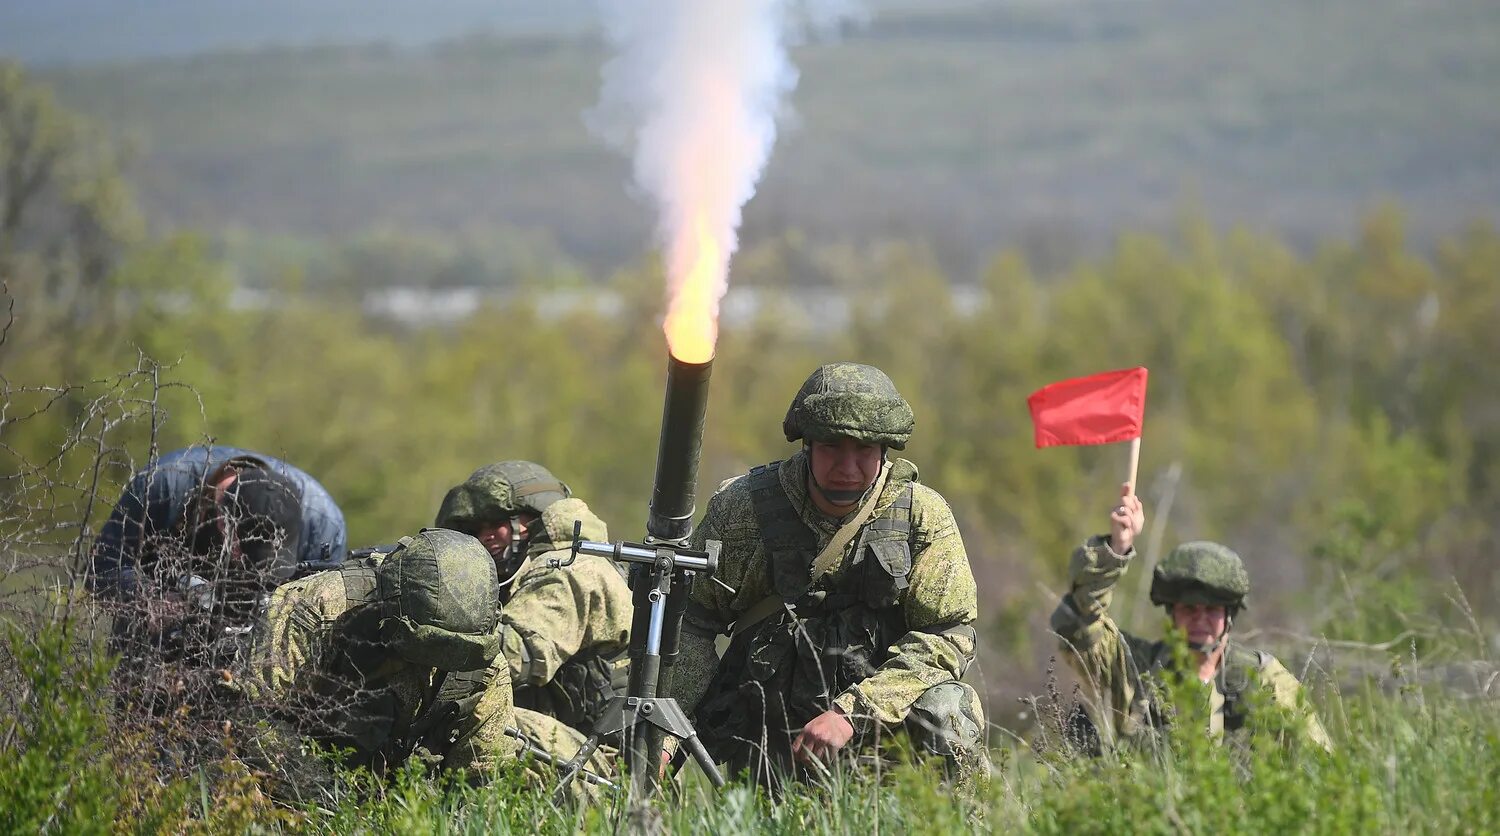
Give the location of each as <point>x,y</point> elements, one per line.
<point>693,91</point>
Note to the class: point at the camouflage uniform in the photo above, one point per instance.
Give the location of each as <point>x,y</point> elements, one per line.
<point>884,636</point>
<point>564,630</point>
<point>1125,669</point>
<point>389,657</point>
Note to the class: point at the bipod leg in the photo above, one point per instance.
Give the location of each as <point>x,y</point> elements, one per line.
<point>575,765</point>
<point>611,722</point>
<point>700,754</point>
<point>532,748</point>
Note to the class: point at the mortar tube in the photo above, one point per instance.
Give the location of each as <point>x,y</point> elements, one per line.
<point>669,522</point>
<point>679,449</point>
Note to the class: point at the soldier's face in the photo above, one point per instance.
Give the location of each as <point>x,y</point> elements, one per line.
<point>1202,623</point>
<point>216,535</point>
<point>497,537</point>
<point>844,469</point>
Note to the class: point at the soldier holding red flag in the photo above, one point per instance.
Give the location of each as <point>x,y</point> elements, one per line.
<point>1202,586</point>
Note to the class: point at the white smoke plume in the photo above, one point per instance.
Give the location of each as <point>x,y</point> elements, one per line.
<point>693,91</point>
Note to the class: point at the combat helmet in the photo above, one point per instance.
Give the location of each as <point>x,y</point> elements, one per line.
<point>437,601</point>
<point>849,399</point>
<point>1201,572</point>
<point>498,492</point>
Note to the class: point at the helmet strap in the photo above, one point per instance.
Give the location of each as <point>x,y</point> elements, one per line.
<point>840,497</point>
<point>1208,647</point>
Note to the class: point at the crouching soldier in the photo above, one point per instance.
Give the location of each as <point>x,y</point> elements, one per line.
<point>852,603</point>
<point>1202,586</point>
<point>198,540</point>
<point>565,627</point>
<point>387,658</point>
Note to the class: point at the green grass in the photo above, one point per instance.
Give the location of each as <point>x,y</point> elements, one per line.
<point>1418,760</point>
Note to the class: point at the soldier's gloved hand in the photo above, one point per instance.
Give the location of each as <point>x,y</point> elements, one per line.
<point>1126,520</point>
<point>823,735</point>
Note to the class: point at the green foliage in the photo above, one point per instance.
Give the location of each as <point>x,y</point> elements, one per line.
<point>1405,765</point>
<point>1415,761</point>
<point>61,762</point>
<point>1332,416</point>
<point>1365,497</point>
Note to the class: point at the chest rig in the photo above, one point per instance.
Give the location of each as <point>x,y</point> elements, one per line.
<point>1149,714</point>
<point>829,633</point>
<point>578,692</point>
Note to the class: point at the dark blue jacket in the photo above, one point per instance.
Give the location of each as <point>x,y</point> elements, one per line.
<point>159,496</point>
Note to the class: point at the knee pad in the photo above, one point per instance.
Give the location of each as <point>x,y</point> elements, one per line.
<point>947,720</point>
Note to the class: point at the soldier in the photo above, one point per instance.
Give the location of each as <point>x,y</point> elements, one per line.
<point>390,657</point>
<point>853,602</point>
<point>564,630</point>
<point>1202,586</point>
<point>210,503</point>
<point>192,550</point>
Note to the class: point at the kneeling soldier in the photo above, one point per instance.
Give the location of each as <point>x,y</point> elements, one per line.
<point>564,629</point>
<point>1202,586</point>
<point>853,603</point>
<point>389,657</point>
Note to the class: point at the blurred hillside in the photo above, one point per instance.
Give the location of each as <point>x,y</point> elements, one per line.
<point>1047,126</point>
<point>90,31</point>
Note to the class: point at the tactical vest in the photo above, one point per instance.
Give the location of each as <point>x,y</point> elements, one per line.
<point>1235,683</point>
<point>578,692</point>
<point>788,668</point>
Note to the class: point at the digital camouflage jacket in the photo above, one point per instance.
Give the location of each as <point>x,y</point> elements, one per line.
<point>1121,668</point>
<point>566,629</point>
<point>892,619</point>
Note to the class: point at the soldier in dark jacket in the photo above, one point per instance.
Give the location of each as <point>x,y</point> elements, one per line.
<point>209,531</point>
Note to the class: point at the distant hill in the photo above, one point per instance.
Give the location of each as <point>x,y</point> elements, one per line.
<point>972,128</point>
<point>90,31</point>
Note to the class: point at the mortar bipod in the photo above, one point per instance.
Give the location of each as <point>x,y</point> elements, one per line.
<point>640,717</point>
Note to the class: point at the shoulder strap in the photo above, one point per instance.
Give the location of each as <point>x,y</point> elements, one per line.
<point>756,614</point>
<point>894,523</point>
<point>1238,662</point>
<point>829,557</point>
<point>765,490</point>
<point>359,582</point>
<point>781,530</point>
<point>1236,681</point>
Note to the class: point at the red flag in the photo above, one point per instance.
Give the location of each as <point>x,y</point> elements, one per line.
<point>1098,409</point>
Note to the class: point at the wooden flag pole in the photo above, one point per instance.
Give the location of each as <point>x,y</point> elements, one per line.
<point>1135,462</point>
